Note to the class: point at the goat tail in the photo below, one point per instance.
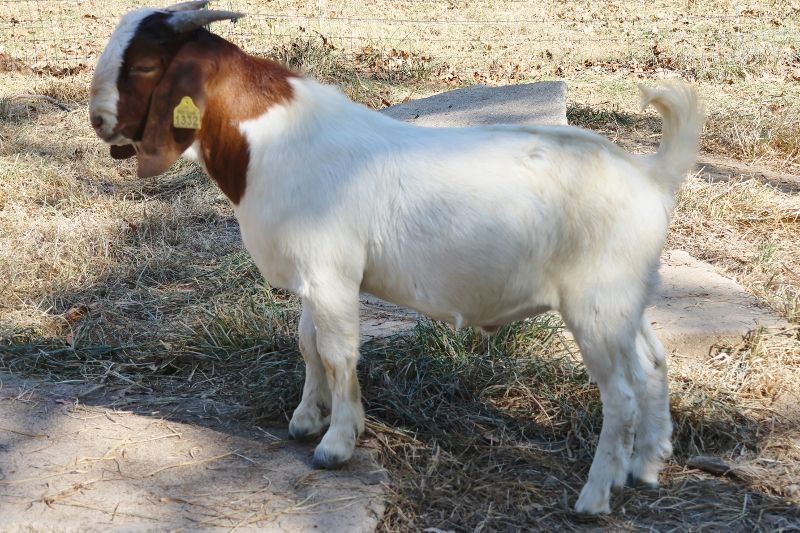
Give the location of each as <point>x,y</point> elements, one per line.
<point>683,118</point>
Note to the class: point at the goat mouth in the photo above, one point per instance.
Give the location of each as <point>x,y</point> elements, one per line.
<point>117,140</point>
<point>123,151</point>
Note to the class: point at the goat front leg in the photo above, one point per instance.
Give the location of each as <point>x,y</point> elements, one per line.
<point>335,316</point>
<point>313,413</point>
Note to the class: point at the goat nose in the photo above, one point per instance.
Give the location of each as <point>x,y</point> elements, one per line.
<point>96,121</point>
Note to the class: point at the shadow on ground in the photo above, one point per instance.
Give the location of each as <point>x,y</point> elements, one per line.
<point>463,446</point>
<point>72,458</point>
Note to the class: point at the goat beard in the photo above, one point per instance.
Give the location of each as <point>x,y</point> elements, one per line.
<point>122,152</point>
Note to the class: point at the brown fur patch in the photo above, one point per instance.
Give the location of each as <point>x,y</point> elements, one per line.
<point>228,85</point>
<point>243,87</point>
<point>144,63</point>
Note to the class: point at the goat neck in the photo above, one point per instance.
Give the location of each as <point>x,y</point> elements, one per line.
<point>228,86</point>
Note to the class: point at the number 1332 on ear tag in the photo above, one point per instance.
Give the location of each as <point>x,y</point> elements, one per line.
<point>186,115</point>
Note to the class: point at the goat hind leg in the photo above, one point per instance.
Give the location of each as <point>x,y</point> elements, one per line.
<point>607,359</point>
<point>652,444</point>
<point>312,414</point>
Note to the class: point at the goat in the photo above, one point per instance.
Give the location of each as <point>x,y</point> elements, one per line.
<point>474,226</point>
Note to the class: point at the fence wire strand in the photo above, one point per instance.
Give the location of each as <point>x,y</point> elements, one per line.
<point>458,35</point>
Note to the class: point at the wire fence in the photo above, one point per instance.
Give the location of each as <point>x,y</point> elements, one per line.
<point>457,38</point>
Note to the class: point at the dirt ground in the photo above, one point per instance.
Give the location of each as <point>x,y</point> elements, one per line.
<point>78,458</point>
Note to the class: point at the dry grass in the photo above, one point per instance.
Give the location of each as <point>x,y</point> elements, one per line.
<point>503,441</point>
<point>145,284</point>
<point>748,230</point>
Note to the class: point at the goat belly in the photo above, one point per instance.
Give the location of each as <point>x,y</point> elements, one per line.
<point>480,301</point>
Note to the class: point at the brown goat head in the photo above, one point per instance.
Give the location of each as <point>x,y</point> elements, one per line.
<point>146,69</point>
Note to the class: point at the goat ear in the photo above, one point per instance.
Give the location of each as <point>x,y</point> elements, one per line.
<point>162,143</point>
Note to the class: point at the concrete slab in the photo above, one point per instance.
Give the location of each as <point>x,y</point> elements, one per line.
<point>542,102</point>
<point>69,466</point>
<point>696,308</point>
<point>381,319</point>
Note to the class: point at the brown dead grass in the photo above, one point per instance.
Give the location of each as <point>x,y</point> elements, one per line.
<point>144,283</point>
<point>750,231</point>
<point>501,438</point>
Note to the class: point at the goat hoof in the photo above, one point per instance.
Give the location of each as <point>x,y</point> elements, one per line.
<point>326,461</point>
<point>335,448</point>
<point>298,430</point>
<point>643,473</point>
<point>593,501</point>
<point>303,434</point>
<point>639,483</point>
<point>306,425</point>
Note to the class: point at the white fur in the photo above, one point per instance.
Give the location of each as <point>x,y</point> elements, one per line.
<point>105,94</point>
<point>477,227</point>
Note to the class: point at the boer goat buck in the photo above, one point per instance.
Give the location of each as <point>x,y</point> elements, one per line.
<point>474,226</point>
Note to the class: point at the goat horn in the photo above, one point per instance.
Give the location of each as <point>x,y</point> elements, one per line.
<point>187,6</point>
<point>183,21</point>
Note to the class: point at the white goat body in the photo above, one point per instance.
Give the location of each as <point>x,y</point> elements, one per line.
<point>475,226</point>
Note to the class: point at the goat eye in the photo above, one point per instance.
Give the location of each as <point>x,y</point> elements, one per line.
<point>143,69</point>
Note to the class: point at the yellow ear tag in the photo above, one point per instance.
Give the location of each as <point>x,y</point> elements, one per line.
<point>186,115</point>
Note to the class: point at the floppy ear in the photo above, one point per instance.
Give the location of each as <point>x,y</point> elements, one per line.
<point>162,143</point>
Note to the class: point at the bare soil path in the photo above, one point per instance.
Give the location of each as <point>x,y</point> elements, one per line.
<point>76,460</point>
